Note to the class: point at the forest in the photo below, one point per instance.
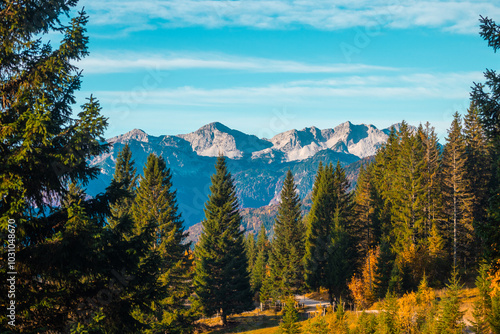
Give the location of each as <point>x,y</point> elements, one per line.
<point>423,218</point>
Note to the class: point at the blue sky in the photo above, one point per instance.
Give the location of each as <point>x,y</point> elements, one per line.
<point>263,67</point>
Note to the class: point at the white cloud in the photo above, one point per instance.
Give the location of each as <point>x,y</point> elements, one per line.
<point>129,62</point>
<point>450,15</point>
<point>307,92</point>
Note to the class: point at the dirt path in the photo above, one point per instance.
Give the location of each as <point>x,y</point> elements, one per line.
<point>310,304</point>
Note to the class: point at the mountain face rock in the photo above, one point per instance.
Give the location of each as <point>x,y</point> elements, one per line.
<point>257,165</point>
<point>215,138</point>
<point>359,140</point>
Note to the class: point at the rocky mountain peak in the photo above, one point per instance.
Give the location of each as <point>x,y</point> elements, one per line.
<point>135,134</point>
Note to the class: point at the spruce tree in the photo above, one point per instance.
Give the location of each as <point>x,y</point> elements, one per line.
<point>385,264</point>
<point>125,179</point>
<point>450,316</point>
<point>430,179</point>
<point>330,253</point>
<point>407,197</point>
<point>456,195</point>
<point>319,228</point>
<point>289,323</point>
<point>250,249</point>
<point>221,278</point>
<point>486,98</point>
<point>47,144</point>
<point>366,227</point>
<point>259,272</point>
<point>288,244</point>
<point>478,166</point>
<point>482,306</point>
<point>164,265</point>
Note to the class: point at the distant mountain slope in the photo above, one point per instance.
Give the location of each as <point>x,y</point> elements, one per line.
<point>257,165</point>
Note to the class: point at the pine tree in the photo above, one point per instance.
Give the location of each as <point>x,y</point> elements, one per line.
<point>288,244</point>
<point>430,180</point>
<point>289,323</point>
<point>221,278</point>
<point>457,199</point>
<point>250,249</point>
<point>125,179</point>
<point>482,305</point>
<point>478,162</point>
<point>478,165</point>
<point>44,148</point>
<point>259,272</point>
<point>408,196</point>
<point>330,253</point>
<point>47,145</point>
<point>388,319</point>
<point>366,225</point>
<point>450,316</point>
<point>385,264</point>
<point>486,98</point>
<point>164,266</point>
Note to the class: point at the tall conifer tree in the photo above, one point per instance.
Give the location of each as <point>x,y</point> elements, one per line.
<point>430,180</point>
<point>457,198</point>
<point>486,98</point>
<point>250,249</point>
<point>478,165</point>
<point>367,224</point>
<point>45,145</point>
<point>125,179</point>
<point>164,264</point>
<point>259,272</point>
<point>288,244</point>
<point>221,278</point>
<point>330,257</point>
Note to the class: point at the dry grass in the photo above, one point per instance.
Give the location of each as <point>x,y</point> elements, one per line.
<point>249,322</point>
<point>267,322</point>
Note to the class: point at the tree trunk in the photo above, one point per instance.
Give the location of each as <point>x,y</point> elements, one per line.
<point>223,317</point>
<point>330,296</point>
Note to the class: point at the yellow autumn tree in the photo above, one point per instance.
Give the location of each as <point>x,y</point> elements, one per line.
<point>362,286</point>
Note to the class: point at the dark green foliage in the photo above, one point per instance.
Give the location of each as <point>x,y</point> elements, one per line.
<point>44,148</point>
<point>259,272</point>
<point>330,246</point>
<point>408,193</point>
<point>288,248</point>
<point>125,178</point>
<point>486,97</point>
<point>221,278</point>
<point>266,291</point>
<point>367,224</point>
<point>164,264</point>
<point>488,100</point>
<point>430,177</point>
<point>385,265</point>
<point>250,249</point>
<point>457,207</point>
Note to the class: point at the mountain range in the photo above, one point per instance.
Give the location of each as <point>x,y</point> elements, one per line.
<point>258,165</point>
